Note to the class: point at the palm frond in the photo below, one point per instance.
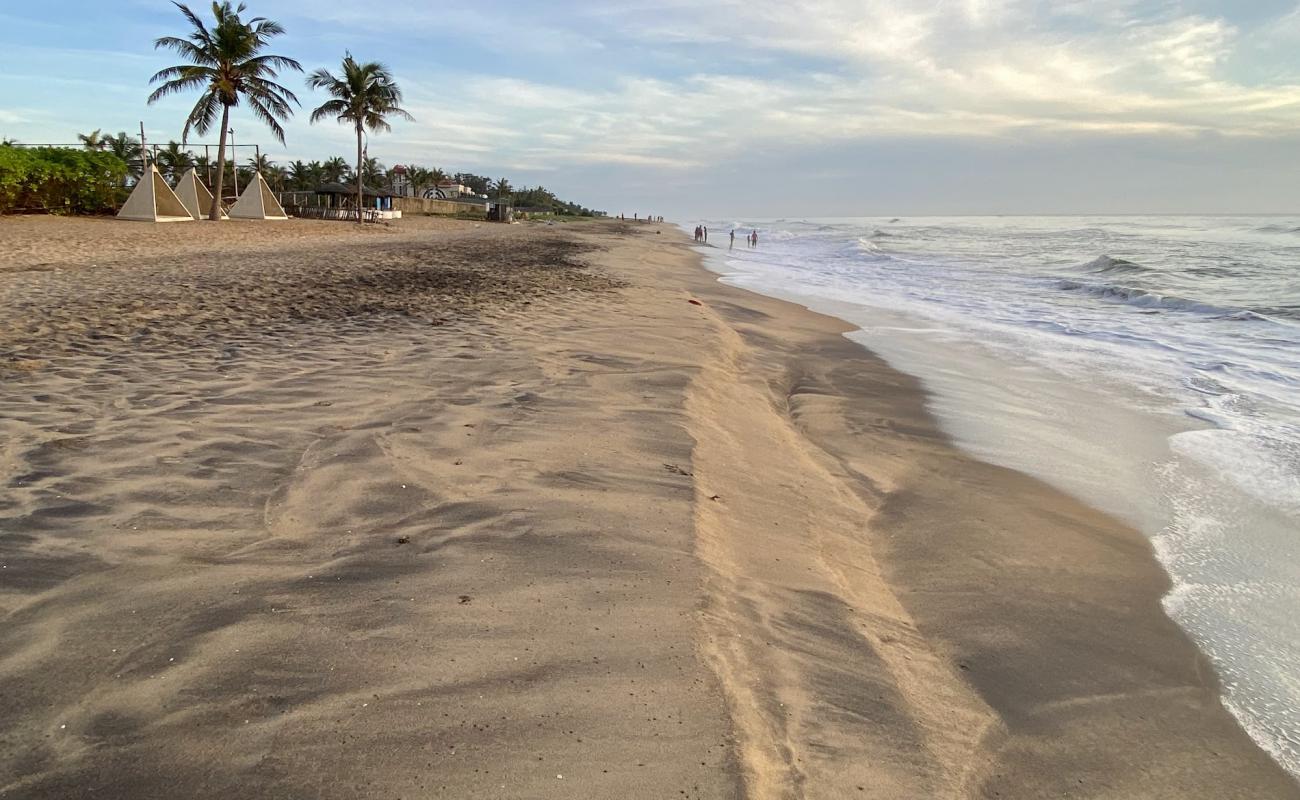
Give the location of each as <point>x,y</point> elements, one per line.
<point>331,108</point>
<point>193,80</point>
<point>267,117</point>
<point>202,116</point>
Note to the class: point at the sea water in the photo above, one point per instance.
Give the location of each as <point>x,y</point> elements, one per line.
<point>1149,365</point>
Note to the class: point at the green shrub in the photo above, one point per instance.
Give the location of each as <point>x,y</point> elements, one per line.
<point>60,180</point>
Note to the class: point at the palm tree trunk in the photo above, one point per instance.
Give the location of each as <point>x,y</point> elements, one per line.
<point>214,213</point>
<point>360,184</point>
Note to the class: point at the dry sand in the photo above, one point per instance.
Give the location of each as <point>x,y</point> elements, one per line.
<point>302,510</point>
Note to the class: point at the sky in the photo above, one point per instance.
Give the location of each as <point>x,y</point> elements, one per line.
<point>750,108</point>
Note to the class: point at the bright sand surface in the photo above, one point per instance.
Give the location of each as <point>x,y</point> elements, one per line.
<point>298,510</point>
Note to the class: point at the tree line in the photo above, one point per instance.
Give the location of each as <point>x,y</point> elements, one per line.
<point>226,62</point>
<point>174,159</point>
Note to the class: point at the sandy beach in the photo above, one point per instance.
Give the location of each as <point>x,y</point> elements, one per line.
<point>448,509</point>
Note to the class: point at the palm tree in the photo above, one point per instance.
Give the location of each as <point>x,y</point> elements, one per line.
<point>419,179</point>
<point>7,142</point>
<point>336,170</point>
<point>299,174</point>
<point>173,161</point>
<point>436,176</point>
<point>227,64</point>
<point>261,163</point>
<point>204,165</point>
<point>275,175</point>
<point>364,96</point>
<point>502,187</point>
<point>372,171</point>
<point>93,140</point>
<point>125,148</point>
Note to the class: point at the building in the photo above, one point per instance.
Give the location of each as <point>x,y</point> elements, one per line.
<point>339,201</point>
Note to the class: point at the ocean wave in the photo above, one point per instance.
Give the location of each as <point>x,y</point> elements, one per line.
<point>1154,302</point>
<point>1273,313</point>
<point>1106,264</point>
<point>1146,299</point>
<point>1278,229</point>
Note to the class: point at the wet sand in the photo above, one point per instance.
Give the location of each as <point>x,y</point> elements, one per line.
<point>457,510</point>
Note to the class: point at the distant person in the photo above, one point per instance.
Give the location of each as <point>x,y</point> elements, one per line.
<point>753,239</point>
<point>697,233</point>
<point>706,233</point>
<point>733,240</point>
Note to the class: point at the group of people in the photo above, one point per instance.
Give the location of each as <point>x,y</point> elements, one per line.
<point>637,218</point>
<point>752,240</point>
<point>702,236</point>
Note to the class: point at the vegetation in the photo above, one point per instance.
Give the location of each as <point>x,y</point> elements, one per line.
<point>173,162</point>
<point>364,96</point>
<point>502,187</point>
<point>60,180</point>
<point>128,150</point>
<point>227,63</point>
<point>91,141</point>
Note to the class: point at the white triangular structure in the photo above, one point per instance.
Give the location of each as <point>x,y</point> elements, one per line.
<point>194,195</point>
<point>152,200</point>
<point>257,202</point>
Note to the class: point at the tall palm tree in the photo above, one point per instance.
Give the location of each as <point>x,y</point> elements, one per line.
<point>364,96</point>
<point>335,170</point>
<point>93,140</point>
<point>227,64</point>
<point>502,187</point>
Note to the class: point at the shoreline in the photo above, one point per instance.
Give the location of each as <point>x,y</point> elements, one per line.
<point>626,530</point>
<point>1120,669</point>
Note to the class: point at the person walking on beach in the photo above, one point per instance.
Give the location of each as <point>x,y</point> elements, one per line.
<point>697,233</point>
<point>733,239</point>
<point>706,233</point>
<point>753,239</point>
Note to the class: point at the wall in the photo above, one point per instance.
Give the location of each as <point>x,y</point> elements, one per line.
<point>419,205</point>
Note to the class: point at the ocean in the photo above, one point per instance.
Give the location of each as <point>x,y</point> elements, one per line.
<point>1148,365</point>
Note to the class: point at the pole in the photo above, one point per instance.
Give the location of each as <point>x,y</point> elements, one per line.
<point>144,153</point>
<point>234,161</point>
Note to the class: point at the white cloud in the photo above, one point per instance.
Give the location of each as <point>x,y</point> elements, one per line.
<point>887,68</point>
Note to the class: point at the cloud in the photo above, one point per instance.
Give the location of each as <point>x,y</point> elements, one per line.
<point>634,87</point>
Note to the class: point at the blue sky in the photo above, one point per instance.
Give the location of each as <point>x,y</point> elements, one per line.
<point>753,107</point>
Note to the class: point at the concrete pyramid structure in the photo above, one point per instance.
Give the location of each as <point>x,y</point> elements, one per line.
<point>257,202</point>
<point>194,195</point>
<point>152,200</point>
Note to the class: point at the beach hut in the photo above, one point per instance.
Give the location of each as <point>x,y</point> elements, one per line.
<point>152,200</point>
<point>339,201</point>
<point>194,195</point>
<point>257,202</point>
